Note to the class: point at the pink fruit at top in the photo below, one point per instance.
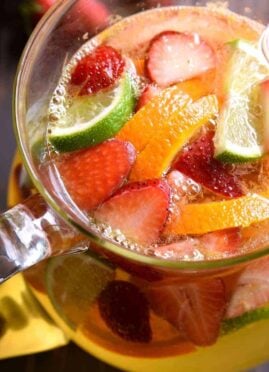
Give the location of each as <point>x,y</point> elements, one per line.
<point>196,309</point>
<point>175,57</point>
<point>138,209</point>
<point>92,13</point>
<point>92,175</point>
<point>197,162</point>
<point>251,290</point>
<point>89,13</point>
<point>265,106</point>
<point>98,70</point>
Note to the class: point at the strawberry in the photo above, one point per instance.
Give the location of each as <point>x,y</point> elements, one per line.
<point>91,14</point>
<point>125,310</point>
<point>86,15</point>
<point>264,86</point>
<point>175,57</point>
<point>223,243</point>
<point>251,290</point>
<point>197,162</point>
<point>185,249</point>
<point>98,70</point>
<point>139,210</point>
<point>33,10</point>
<point>92,175</point>
<point>211,246</point>
<point>148,93</point>
<point>196,309</point>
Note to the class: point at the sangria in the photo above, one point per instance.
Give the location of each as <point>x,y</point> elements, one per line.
<point>157,139</point>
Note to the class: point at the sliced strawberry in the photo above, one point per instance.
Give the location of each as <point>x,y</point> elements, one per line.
<point>125,310</point>
<point>265,106</point>
<point>196,309</point>
<point>252,289</point>
<point>148,93</point>
<point>220,244</point>
<point>189,249</point>
<point>174,57</point>
<point>215,245</point>
<point>197,161</point>
<point>139,210</point>
<point>98,70</point>
<point>92,175</point>
<point>182,185</point>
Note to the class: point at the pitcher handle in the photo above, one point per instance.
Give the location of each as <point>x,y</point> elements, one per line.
<point>31,232</point>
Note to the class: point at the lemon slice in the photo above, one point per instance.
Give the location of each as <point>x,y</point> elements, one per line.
<point>90,120</point>
<point>239,134</point>
<point>73,284</point>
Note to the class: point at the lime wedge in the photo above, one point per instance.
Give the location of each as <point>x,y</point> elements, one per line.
<point>73,283</point>
<point>92,119</point>
<point>234,324</point>
<point>239,134</point>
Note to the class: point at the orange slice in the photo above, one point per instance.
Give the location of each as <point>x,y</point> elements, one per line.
<point>157,156</point>
<point>140,129</point>
<point>205,217</point>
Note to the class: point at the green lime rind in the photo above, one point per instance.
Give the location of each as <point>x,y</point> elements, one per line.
<point>228,157</point>
<point>234,324</point>
<point>67,135</point>
<point>239,133</point>
<point>73,284</point>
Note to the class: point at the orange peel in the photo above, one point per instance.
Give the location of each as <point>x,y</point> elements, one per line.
<point>155,160</point>
<point>201,218</point>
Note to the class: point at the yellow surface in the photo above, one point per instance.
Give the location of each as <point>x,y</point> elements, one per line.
<point>27,328</point>
<point>235,352</point>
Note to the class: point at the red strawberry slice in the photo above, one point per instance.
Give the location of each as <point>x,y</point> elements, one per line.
<point>196,309</point>
<point>197,161</point>
<point>175,57</point>
<point>215,245</point>
<point>189,249</point>
<point>252,289</point>
<point>125,310</point>
<point>92,175</point>
<point>220,244</point>
<point>148,93</point>
<point>98,70</point>
<point>139,210</point>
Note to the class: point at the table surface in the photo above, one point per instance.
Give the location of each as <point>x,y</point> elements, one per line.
<point>12,40</point>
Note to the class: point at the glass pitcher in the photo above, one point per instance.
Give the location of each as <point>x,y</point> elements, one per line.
<point>113,302</point>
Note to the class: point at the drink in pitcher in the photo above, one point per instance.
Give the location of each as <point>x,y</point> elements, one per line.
<point>157,139</point>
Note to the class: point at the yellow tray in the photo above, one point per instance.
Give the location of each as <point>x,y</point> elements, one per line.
<point>25,328</point>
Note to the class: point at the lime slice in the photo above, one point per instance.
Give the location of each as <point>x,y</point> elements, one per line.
<point>92,119</point>
<point>239,134</point>
<point>73,283</point>
<point>234,324</point>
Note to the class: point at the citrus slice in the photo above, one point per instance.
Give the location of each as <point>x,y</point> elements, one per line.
<point>201,218</point>
<point>91,119</point>
<point>234,324</point>
<point>159,153</point>
<point>73,284</point>
<point>239,134</point>
<point>143,125</point>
